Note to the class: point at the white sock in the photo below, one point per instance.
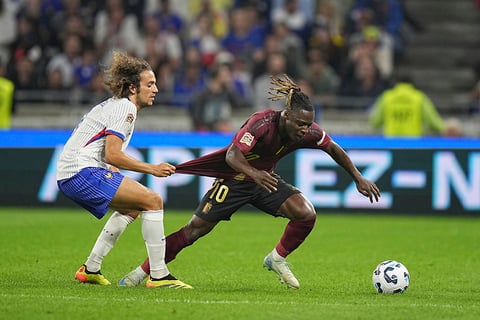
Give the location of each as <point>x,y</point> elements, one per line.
<point>106,240</point>
<point>276,256</point>
<point>138,273</point>
<point>154,236</point>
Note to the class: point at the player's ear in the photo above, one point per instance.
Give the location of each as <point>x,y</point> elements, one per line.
<point>132,89</point>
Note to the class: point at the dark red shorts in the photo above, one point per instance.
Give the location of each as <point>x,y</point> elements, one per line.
<point>225,197</point>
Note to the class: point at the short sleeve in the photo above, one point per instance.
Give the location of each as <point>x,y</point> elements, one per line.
<point>120,118</point>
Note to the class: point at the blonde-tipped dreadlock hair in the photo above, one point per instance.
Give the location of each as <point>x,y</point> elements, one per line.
<point>285,88</point>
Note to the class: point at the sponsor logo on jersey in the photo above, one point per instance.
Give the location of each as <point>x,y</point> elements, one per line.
<point>130,118</point>
<point>247,138</point>
<point>207,207</point>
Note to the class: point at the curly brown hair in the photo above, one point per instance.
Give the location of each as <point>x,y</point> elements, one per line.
<point>287,89</point>
<point>124,72</point>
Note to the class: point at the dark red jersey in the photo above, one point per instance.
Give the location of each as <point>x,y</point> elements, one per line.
<point>259,140</point>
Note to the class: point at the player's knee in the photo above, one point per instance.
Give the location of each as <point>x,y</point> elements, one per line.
<point>153,201</point>
<point>308,215</point>
<point>305,212</point>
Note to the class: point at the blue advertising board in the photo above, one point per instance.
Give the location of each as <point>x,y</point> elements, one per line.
<point>416,176</point>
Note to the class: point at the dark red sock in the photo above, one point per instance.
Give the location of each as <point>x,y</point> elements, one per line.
<point>293,236</point>
<point>175,243</point>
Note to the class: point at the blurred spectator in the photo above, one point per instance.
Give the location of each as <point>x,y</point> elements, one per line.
<point>384,14</point>
<point>26,45</point>
<point>328,17</point>
<point>97,91</point>
<point>271,45</point>
<point>115,29</point>
<point>321,77</point>
<point>189,80</point>
<point>159,46</point>
<point>23,75</point>
<point>215,11</point>
<point>242,78</point>
<point>85,68</point>
<point>366,84</point>
<point>165,83</point>
<point>31,10</point>
<point>212,108</point>
<point>334,54</point>
<point>66,60</point>
<point>317,104</point>
<point>137,8</point>
<point>245,37</point>
<point>405,111</point>
<point>372,42</point>
<point>292,48</point>
<point>202,37</point>
<point>326,33</point>
<point>55,81</point>
<point>296,19</point>
<point>72,18</point>
<point>8,11</point>
<point>168,19</point>
<point>276,66</point>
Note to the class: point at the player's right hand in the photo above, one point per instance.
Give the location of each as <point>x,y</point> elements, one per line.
<point>163,170</point>
<point>265,180</point>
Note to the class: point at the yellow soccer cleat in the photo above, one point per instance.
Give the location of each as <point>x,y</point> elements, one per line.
<point>84,276</point>
<point>167,282</point>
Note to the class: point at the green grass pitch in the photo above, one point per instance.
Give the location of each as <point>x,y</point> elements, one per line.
<point>42,248</point>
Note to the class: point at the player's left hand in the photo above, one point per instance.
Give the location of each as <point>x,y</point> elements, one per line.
<point>368,189</point>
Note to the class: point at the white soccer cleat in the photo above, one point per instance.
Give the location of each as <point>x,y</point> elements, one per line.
<point>133,279</point>
<point>283,271</point>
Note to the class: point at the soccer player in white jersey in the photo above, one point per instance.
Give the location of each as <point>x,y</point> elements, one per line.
<point>88,171</point>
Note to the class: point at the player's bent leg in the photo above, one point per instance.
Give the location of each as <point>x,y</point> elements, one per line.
<point>302,217</point>
<point>84,276</point>
<point>175,242</point>
<point>132,195</point>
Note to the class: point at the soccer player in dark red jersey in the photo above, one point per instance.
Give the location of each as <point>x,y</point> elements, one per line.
<point>245,174</point>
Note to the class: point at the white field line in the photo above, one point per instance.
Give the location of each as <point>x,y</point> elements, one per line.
<point>238,302</point>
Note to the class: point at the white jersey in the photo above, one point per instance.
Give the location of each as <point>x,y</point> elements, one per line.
<point>86,146</point>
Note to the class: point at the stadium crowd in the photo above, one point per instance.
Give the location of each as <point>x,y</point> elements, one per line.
<point>342,53</point>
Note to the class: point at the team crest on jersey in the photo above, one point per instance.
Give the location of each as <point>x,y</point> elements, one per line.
<point>247,138</point>
<point>109,175</point>
<point>130,118</point>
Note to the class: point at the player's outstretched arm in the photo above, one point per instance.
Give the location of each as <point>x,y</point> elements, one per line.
<point>364,186</point>
<point>119,159</point>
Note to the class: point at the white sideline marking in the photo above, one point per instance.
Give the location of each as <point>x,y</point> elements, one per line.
<point>238,302</point>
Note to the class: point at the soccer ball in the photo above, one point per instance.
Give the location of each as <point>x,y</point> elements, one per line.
<point>390,277</point>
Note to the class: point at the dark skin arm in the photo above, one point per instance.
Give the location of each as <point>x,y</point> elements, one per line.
<point>236,159</point>
<point>364,186</point>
